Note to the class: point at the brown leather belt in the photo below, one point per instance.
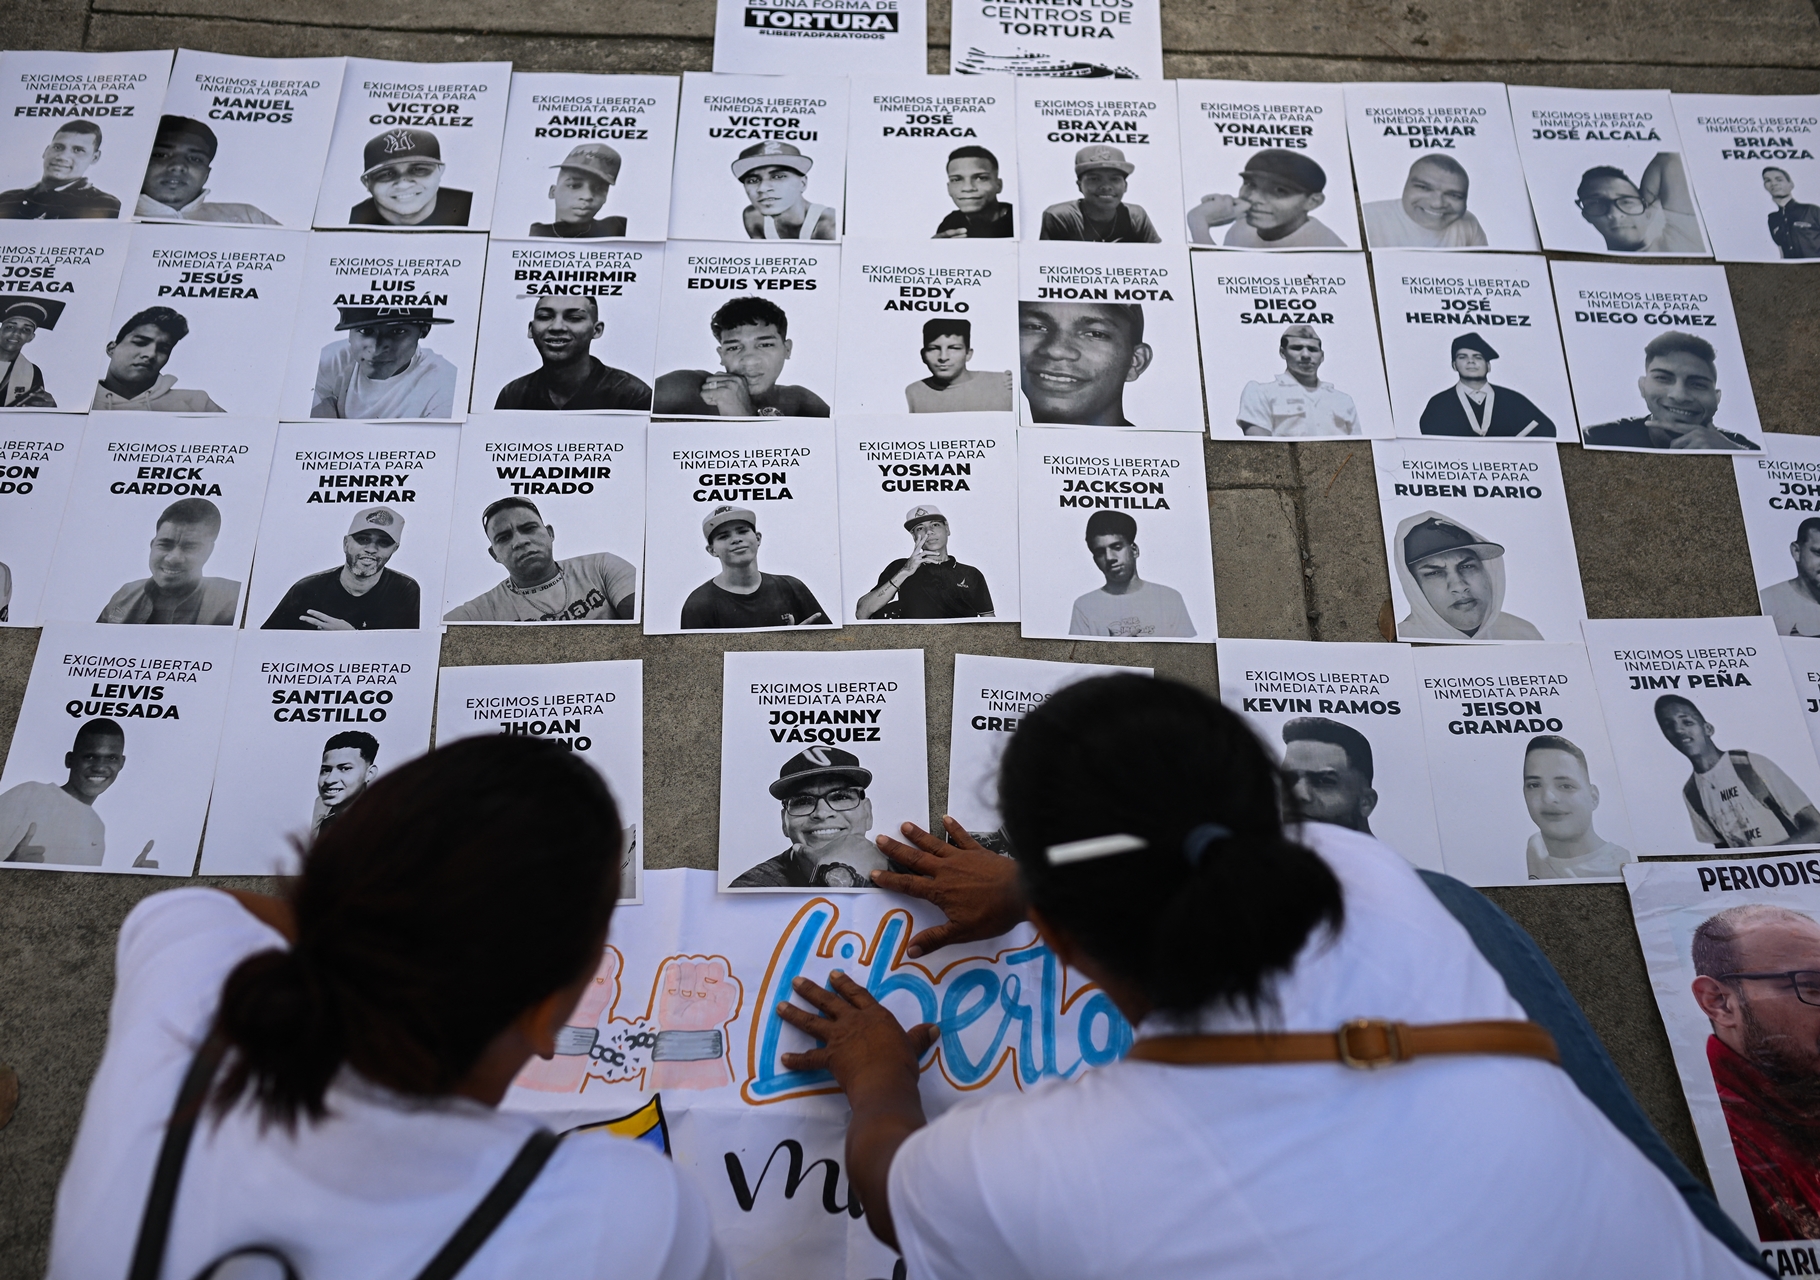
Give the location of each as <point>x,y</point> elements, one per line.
<point>1363,1044</point>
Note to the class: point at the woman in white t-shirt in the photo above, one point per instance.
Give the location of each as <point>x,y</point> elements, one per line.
<point>440,934</point>
<point>1144,819</point>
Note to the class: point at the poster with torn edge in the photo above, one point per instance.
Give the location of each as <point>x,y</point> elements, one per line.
<point>1098,161</point>
<point>594,709</point>
<point>1117,42</point>
<point>868,38</point>
<point>115,744</point>
<point>905,180</point>
<point>1752,160</point>
<point>1779,494</point>
<point>80,131</point>
<point>55,310</point>
<point>37,467</point>
<point>832,747</point>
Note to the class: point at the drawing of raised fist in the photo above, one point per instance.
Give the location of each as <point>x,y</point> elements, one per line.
<point>697,999</point>
<point>564,1072</point>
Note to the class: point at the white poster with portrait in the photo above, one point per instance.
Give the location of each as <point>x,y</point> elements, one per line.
<point>1098,160</point>
<point>1106,337</point>
<point>113,750</point>
<point>1752,159</point>
<point>1654,357</point>
<point>1437,167</point>
<point>1803,656</point>
<point>201,314</point>
<point>385,328</point>
<point>1707,728</point>
<point>1112,537</point>
<point>1520,730</point>
<point>242,140</point>
<point>80,128</point>
<point>832,747</point>
<point>416,145</point>
<point>310,722</point>
<point>1480,546</point>
<point>1605,171</point>
<point>594,709</point>
<point>748,333</point>
<point>759,157</point>
<point>1118,41</point>
<point>549,520</point>
<point>803,37</point>
<point>37,467</point>
<point>928,518</point>
<point>568,327</point>
<point>1265,166</point>
<point>928,159</point>
<point>991,697</point>
<point>1344,722</point>
<point>586,157</point>
<point>1289,348</point>
<point>927,328</point>
<point>1472,347</point>
<point>742,527</point>
<point>57,285</point>
<point>161,521</point>
<point>1779,494</point>
<point>356,533</point>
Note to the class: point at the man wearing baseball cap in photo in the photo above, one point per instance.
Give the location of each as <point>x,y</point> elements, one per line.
<point>1454,581</point>
<point>361,594</point>
<point>404,173</point>
<point>928,583</point>
<point>176,180</point>
<point>1473,406</point>
<point>1101,214</point>
<point>380,371</point>
<point>1278,193</point>
<point>775,175</point>
<point>739,597</point>
<point>826,816</point>
<point>21,381</point>
<point>583,180</point>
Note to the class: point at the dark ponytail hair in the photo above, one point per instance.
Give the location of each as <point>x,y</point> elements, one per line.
<point>458,891</point>
<point>1219,901</point>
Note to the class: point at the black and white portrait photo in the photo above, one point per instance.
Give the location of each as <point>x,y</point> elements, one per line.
<point>135,377</point>
<point>929,582</point>
<point>1297,402</point>
<point>775,177</point>
<point>178,592</point>
<point>177,179</point>
<point>403,175</point>
<point>975,185</point>
<point>359,594</point>
<point>1328,772</point>
<point>1793,224</point>
<point>51,824</point>
<point>1681,393</point>
<point>349,761</point>
<point>22,316</point>
<point>1782,536</point>
<point>79,129</point>
<point>563,329</point>
<point>751,343</point>
<point>953,387</point>
<point>1562,800</point>
<point>1278,192</point>
<point>1653,212</point>
<point>1453,582</point>
<point>930,160</point>
<point>579,192</point>
<point>63,189</point>
<point>1101,214</point>
<point>742,597</point>
<point>382,369</point>
<point>1076,358</point>
<point>1099,161</point>
<point>1794,605</point>
<point>538,587</point>
<point>53,330</point>
<point>1754,169</point>
<point>1430,214</point>
<point>827,822</point>
<point>1736,799</point>
<point>1125,605</point>
<point>1474,406</point>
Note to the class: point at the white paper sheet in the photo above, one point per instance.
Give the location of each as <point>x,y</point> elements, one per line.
<point>1752,161</point>
<point>1779,493</point>
<point>1098,160</point>
<point>1117,41</point>
<point>812,37</point>
<point>57,287</point>
<point>901,183</point>
<point>1803,656</point>
<point>37,466</point>
<point>80,129</point>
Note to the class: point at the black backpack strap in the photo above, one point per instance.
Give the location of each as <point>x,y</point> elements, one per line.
<point>492,1210</point>
<point>155,1225</point>
<point>1754,783</point>
<point>1690,791</point>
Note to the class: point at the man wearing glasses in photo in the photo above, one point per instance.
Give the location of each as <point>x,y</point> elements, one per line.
<point>826,816</point>
<point>404,174</point>
<point>1653,215</point>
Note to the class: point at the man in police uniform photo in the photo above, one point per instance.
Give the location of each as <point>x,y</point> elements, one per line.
<point>176,180</point>
<point>348,764</point>
<point>1454,582</point>
<point>1296,402</point>
<point>360,594</point>
<point>775,176</point>
<point>1559,793</point>
<point>826,817</point>
<point>928,583</point>
<point>951,386</point>
<point>583,181</point>
<point>177,593</point>
<point>1076,357</point>
<point>974,185</point>
<point>740,597</point>
<point>1127,606</point>
<point>1735,799</point>
<point>538,586</point>
<point>380,371</point>
<point>1794,226</point>
<point>403,173</point>
<point>21,381</point>
<point>1430,214</point>
<point>135,378</point>
<point>1795,605</point>
<point>1680,388</point>
<point>1101,174</point>
<point>752,338</point>
<point>1278,194</point>
<point>62,191</point>
<point>1328,771</point>
<point>43,822</point>
<point>1474,406</point>
<point>563,327</point>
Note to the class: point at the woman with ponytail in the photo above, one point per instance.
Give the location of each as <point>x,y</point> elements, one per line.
<point>1327,1078</point>
<point>342,1051</point>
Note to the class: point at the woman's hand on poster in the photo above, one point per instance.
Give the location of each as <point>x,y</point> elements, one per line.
<point>977,889</point>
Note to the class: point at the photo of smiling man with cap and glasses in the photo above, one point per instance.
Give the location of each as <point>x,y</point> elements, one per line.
<point>927,583</point>
<point>380,371</point>
<point>740,597</point>
<point>63,191</point>
<point>1473,406</point>
<point>951,386</point>
<point>21,381</point>
<point>177,593</point>
<point>563,328</point>
<point>538,586</point>
<point>583,181</point>
<point>404,173</point>
<point>1278,194</point>
<point>1101,174</point>
<point>775,175</point>
<point>177,178</point>
<point>135,377</point>
<point>1454,582</point>
<point>826,816</point>
<point>360,594</point>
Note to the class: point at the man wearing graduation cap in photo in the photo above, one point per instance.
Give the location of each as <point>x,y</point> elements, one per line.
<point>826,816</point>
<point>1454,581</point>
<point>775,175</point>
<point>176,180</point>
<point>380,371</point>
<point>1473,406</point>
<point>583,181</point>
<point>404,173</point>
<point>1278,194</point>
<point>21,381</point>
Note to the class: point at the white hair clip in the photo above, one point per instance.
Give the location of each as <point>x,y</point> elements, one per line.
<point>1094,847</point>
